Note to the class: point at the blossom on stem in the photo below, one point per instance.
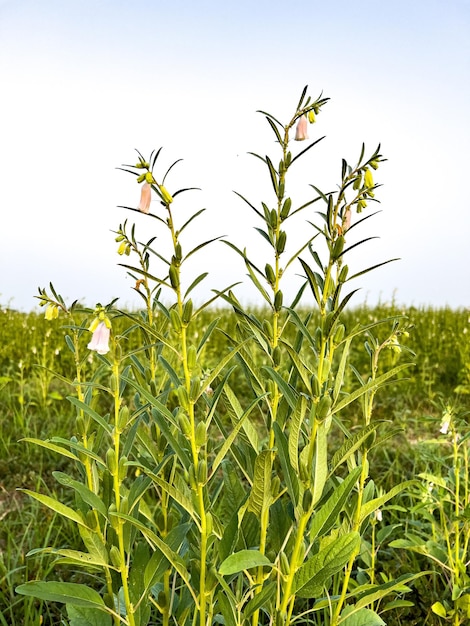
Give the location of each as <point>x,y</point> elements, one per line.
<point>446,419</point>
<point>301,129</point>
<point>145,198</point>
<point>100,338</point>
<point>52,312</point>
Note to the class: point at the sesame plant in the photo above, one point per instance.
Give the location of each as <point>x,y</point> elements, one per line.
<point>439,524</point>
<point>196,504</point>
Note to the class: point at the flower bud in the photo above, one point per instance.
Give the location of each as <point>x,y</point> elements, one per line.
<point>368,179</point>
<point>301,129</point>
<point>167,198</point>
<point>145,198</point>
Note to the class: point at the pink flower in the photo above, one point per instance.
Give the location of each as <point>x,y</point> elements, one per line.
<point>145,198</point>
<point>301,130</point>
<point>100,339</point>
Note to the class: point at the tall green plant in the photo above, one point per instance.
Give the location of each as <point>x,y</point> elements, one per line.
<point>195,503</point>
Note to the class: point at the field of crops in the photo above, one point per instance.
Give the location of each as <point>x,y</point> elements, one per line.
<point>33,404</point>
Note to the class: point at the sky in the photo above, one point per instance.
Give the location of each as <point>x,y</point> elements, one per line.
<point>86,82</point>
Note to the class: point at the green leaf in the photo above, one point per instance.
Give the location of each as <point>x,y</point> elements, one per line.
<point>320,462</point>
<point>51,446</point>
<point>260,496</point>
<point>372,384</point>
<point>314,573</point>
<point>351,445</point>
<point>93,414</point>
<point>327,516</point>
<point>227,607</point>
<point>57,506</point>
<point>86,494</point>
<point>261,599</point>
<point>84,616</point>
<point>363,617</point>
<point>376,503</point>
<point>71,556</point>
<point>230,439</point>
<point>290,477</point>
<point>245,559</point>
<point>297,419</point>
<point>377,592</point>
<point>68,593</point>
<point>287,391</point>
<point>439,609</point>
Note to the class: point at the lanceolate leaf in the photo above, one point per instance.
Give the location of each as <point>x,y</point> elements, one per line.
<point>51,446</point>
<point>310,578</point>
<point>290,476</point>
<point>86,494</point>
<point>57,506</point>
<point>327,516</point>
<point>245,559</point>
<point>69,593</point>
<point>368,386</point>
<point>260,496</point>
<point>362,617</point>
<point>376,503</point>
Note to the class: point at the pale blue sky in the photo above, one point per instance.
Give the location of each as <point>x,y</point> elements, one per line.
<point>85,82</point>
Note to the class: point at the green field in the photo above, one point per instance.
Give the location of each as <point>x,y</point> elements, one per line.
<point>33,404</point>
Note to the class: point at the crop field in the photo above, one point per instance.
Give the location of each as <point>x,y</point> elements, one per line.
<point>35,365</point>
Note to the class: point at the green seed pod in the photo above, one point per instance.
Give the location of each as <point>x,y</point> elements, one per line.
<point>315,386</point>
<point>111,460</point>
<point>178,252</point>
<point>339,333</point>
<point>141,178</point>
<point>122,469</point>
<point>338,247</point>
<point>113,520</point>
<point>281,242</point>
<point>277,355</point>
<point>374,164</point>
<point>113,383</point>
<point>273,218</point>
<point>200,436</point>
<point>124,505</point>
<point>323,407</point>
<point>278,298</point>
<point>191,357</point>
<point>149,178</point>
<point>202,472</point>
<point>343,274</point>
<point>187,311</point>
<point>162,600</point>
<point>318,337</point>
<point>174,277</point>
<point>80,425</point>
<point>307,500</point>
<point>284,563</point>
<point>275,486</point>
<point>282,168</point>
<point>91,519</point>
<point>268,330</point>
<point>123,418</point>
<point>326,369</point>
<point>194,389</point>
<point>115,556</point>
<point>175,320</point>
<point>288,159</point>
<point>304,472</point>
<point>286,207</point>
<point>192,477</point>
<point>183,398</point>
<point>281,190</point>
<point>270,276</point>
<point>184,424</point>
